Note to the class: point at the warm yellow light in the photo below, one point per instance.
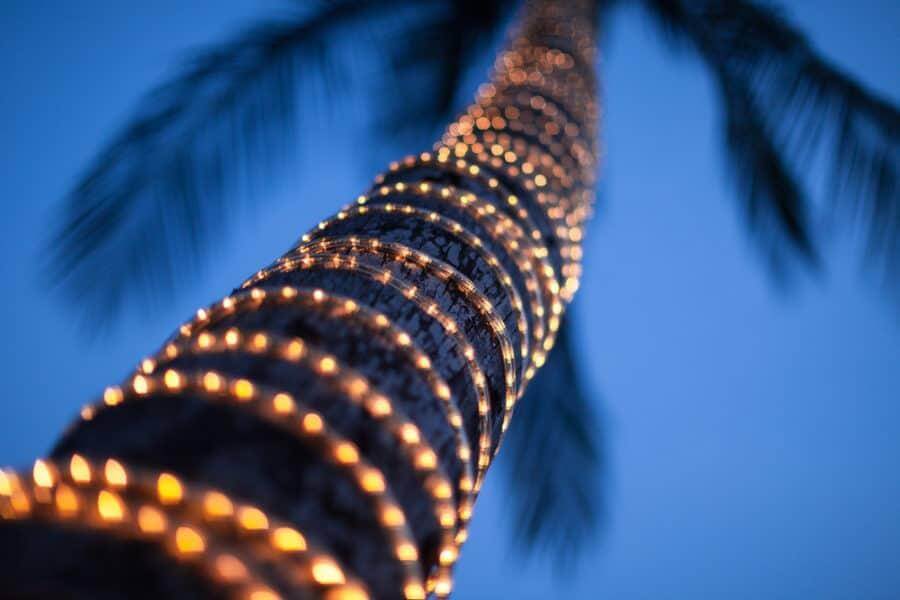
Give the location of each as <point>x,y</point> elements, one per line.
<point>140,385</point>
<point>295,350</point>
<point>243,389</point>
<point>79,469</point>
<point>443,587</point>
<point>7,483</point>
<point>189,541</point>
<point>112,396</point>
<point>392,516</point>
<point>380,406</point>
<point>407,552</point>
<point>346,592</point>
<point>260,341</point>
<point>67,503</point>
<point>232,337</point>
<point>217,505</point>
<point>287,539</point>
<point>327,365</point>
<point>252,519</point>
<point>151,520</point>
<point>312,423</point>
<point>442,490</point>
<point>410,433</point>
<point>414,591</point>
<point>42,474</point>
<point>372,481</point>
<point>426,459</point>
<point>212,382</point>
<point>447,518</point>
<point>205,340</point>
<point>346,453</point>
<point>283,403</point>
<point>263,594</point>
<point>110,506</point>
<point>172,379</point>
<point>230,568</point>
<point>115,473</point>
<point>326,572</point>
<point>448,555</point>
<point>169,489</point>
<point>358,386</point>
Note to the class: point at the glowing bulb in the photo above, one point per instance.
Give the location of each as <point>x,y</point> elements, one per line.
<point>43,476</point>
<point>112,396</point>
<point>110,506</point>
<point>79,469</point>
<point>230,568</point>
<point>410,433</point>
<point>327,365</point>
<point>414,591</point>
<point>372,481</point>
<point>407,552</point>
<point>312,423</point>
<point>140,385</point>
<point>189,541</point>
<point>243,389</point>
<point>346,453</point>
<point>172,379</point>
<point>283,403</point>
<point>67,503</point>
<point>212,382</point>
<point>448,555</point>
<point>392,516</point>
<point>326,572</point>
<point>151,520</point>
<point>217,505</point>
<point>169,489</point>
<point>115,473</point>
<point>288,540</point>
<point>252,519</point>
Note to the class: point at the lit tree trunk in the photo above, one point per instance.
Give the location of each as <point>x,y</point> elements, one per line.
<point>324,430</point>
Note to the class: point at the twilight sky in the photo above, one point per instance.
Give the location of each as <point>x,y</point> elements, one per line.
<point>754,435</point>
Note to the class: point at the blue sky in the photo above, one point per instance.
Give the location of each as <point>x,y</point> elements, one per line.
<point>754,435</point>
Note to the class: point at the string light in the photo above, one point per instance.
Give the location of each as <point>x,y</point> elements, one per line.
<point>179,527</point>
<point>522,158</point>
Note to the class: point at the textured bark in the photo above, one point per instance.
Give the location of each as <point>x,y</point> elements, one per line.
<point>368,373</point>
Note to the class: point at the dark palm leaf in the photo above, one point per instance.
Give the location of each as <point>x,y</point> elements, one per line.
<point>554,460</point>
<point>782,103</point>
<point>141,218</point>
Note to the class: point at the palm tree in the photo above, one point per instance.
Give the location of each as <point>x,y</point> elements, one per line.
<point>150,197</point>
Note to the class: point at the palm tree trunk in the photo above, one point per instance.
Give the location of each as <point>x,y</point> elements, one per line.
<point>324,430</point>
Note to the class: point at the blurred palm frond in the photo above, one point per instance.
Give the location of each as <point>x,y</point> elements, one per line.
<point>143,215</point>
<point>554,461</point>
<point>784,103</point>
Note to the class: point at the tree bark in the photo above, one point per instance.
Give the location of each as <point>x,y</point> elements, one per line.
<point>324,430</point>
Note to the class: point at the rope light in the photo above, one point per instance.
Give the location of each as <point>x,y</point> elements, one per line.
<point>510,182</point>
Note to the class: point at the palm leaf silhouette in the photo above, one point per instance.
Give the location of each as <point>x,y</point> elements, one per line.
<point>139,220</point>
<point>782,103</point>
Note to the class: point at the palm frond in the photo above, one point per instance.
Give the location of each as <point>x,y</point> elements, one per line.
<point>142,216</point>
<point>554,461</point>
<point>783,103</point>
